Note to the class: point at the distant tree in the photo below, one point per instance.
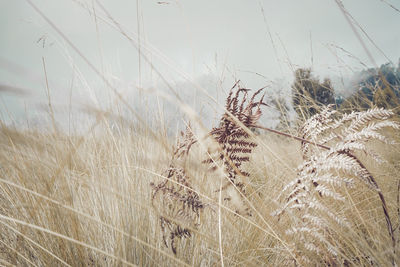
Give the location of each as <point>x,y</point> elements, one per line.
<point>376,87</point>
<point>308,93</point>
<point>386,98</point>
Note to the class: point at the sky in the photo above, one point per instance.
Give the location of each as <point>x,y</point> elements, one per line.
<point>182,44</point>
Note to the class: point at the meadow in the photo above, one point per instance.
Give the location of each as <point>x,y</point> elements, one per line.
<point>230,196</point>
<point>322,189</point>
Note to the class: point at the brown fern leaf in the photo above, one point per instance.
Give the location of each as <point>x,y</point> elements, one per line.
<point>180,203</point>
<point>236,146</point>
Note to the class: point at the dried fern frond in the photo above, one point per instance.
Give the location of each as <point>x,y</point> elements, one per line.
<point>326,169</point>
<point>178,199</point>
<point>234,141</point>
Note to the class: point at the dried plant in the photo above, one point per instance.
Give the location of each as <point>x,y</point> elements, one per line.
<point>235,143</point>
<point>176,195</point>
<point>330,145</point>
<point>328,168</point>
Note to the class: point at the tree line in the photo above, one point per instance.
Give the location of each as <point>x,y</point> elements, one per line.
<point>376,87</point>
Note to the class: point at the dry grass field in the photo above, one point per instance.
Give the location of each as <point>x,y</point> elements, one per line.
<point>136,198</point>
<point>323,190</point>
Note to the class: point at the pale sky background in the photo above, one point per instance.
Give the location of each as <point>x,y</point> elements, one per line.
<point>210,42</point>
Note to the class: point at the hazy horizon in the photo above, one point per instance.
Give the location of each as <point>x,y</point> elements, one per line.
<point>258,42</point>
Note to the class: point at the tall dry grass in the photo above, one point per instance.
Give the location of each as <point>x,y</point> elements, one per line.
<point>106,198</point>
<point>86,200</point>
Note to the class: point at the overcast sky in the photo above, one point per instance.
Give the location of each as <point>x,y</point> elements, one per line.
<point>255,41</point>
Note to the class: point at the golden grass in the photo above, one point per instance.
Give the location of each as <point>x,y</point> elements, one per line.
<point>86,200</point>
